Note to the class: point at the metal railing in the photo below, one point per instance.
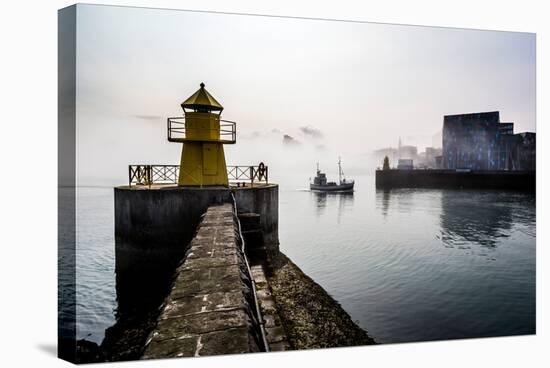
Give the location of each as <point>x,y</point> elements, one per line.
<point>169,174</point>
<point>153,174</point>
<point>251,174</point>
<point>177,131</point>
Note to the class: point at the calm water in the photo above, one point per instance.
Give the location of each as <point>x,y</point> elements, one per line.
<point>408,265</point>
<point>95,264</point>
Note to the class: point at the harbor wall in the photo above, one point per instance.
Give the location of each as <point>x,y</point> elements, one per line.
<point>502,180</point>
<point>159,222</point>
<point>210,308</point>
<point>263,200</point>
<point>154,226</point>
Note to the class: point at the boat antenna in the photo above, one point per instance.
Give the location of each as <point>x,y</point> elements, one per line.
<point>340,173</point>
<point>317,167</point>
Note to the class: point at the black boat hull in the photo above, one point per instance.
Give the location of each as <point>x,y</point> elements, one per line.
<point>347,187</point>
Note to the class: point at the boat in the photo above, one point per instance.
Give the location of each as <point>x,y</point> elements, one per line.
<point>320,181</point>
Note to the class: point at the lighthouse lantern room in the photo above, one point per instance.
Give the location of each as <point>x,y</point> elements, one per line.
<point>203,135</point>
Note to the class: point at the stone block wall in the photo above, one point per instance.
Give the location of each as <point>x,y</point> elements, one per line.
<point>210,309</point>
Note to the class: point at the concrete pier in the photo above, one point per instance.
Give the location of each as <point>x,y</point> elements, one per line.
<point>501,180</point>
<point>210,309</point>
<point>154,225</point>
<point>158,221</point>
<point>180,258</point>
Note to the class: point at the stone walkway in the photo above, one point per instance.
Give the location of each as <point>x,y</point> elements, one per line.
<point>208,311</point>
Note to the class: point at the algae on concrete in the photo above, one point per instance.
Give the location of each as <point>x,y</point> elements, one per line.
<point>311,317</point>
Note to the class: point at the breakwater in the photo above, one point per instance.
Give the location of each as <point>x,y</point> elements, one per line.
<point>160,299</point>
<point>211,307</point>
<point>504,180</point>
<point>154,227</point>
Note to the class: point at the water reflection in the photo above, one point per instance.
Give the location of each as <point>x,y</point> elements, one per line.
<point>477,217</point>
<point>320,200</point>
<point>404,200</point>
<point>344,201</point>
<point>465,217</point>
<point>383,200</point>
<point>440,264</point>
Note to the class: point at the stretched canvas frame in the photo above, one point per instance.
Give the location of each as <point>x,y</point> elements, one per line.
<point>192,262</point>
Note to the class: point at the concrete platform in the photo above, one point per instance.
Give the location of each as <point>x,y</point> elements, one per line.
<point>154,225</point>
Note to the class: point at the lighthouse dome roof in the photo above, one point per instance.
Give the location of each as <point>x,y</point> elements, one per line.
<point>202,99</point>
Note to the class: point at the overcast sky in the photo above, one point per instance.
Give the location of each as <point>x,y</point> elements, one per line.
<point>336,87</point>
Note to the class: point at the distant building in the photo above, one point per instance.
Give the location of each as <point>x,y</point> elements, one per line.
<point>527,151</point>
<point>429,157</point>
<point>438,162</point>
<point>437,139</point>
<point>470,141</point>
<point>410,152</point>
<point>506,128</point>
<point>402,152</point>
<point>379,154</point>
<point>405,164</point>
<point>479,141</point>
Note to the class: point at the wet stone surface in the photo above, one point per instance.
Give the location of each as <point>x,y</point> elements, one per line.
<point>275,333</point>
<point>311,318</point>
<point>207,312</point>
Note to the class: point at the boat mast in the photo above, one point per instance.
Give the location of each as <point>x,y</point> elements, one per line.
<point>339,170</point>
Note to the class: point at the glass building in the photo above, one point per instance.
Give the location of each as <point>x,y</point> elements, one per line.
<point>479,141</point>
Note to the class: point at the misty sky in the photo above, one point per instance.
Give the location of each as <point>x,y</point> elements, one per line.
<point>338,88</point>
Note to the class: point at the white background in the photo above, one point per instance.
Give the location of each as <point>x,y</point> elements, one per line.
<point>28,202</point>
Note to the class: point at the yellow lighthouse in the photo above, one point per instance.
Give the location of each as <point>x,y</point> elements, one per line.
<point>203,135</point>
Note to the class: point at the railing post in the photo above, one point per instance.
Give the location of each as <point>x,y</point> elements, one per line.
<point>251,176</point>
<point>266,172</point>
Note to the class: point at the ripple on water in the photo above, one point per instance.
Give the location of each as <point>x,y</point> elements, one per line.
<point>408,265</point>
<point>414,265</point>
